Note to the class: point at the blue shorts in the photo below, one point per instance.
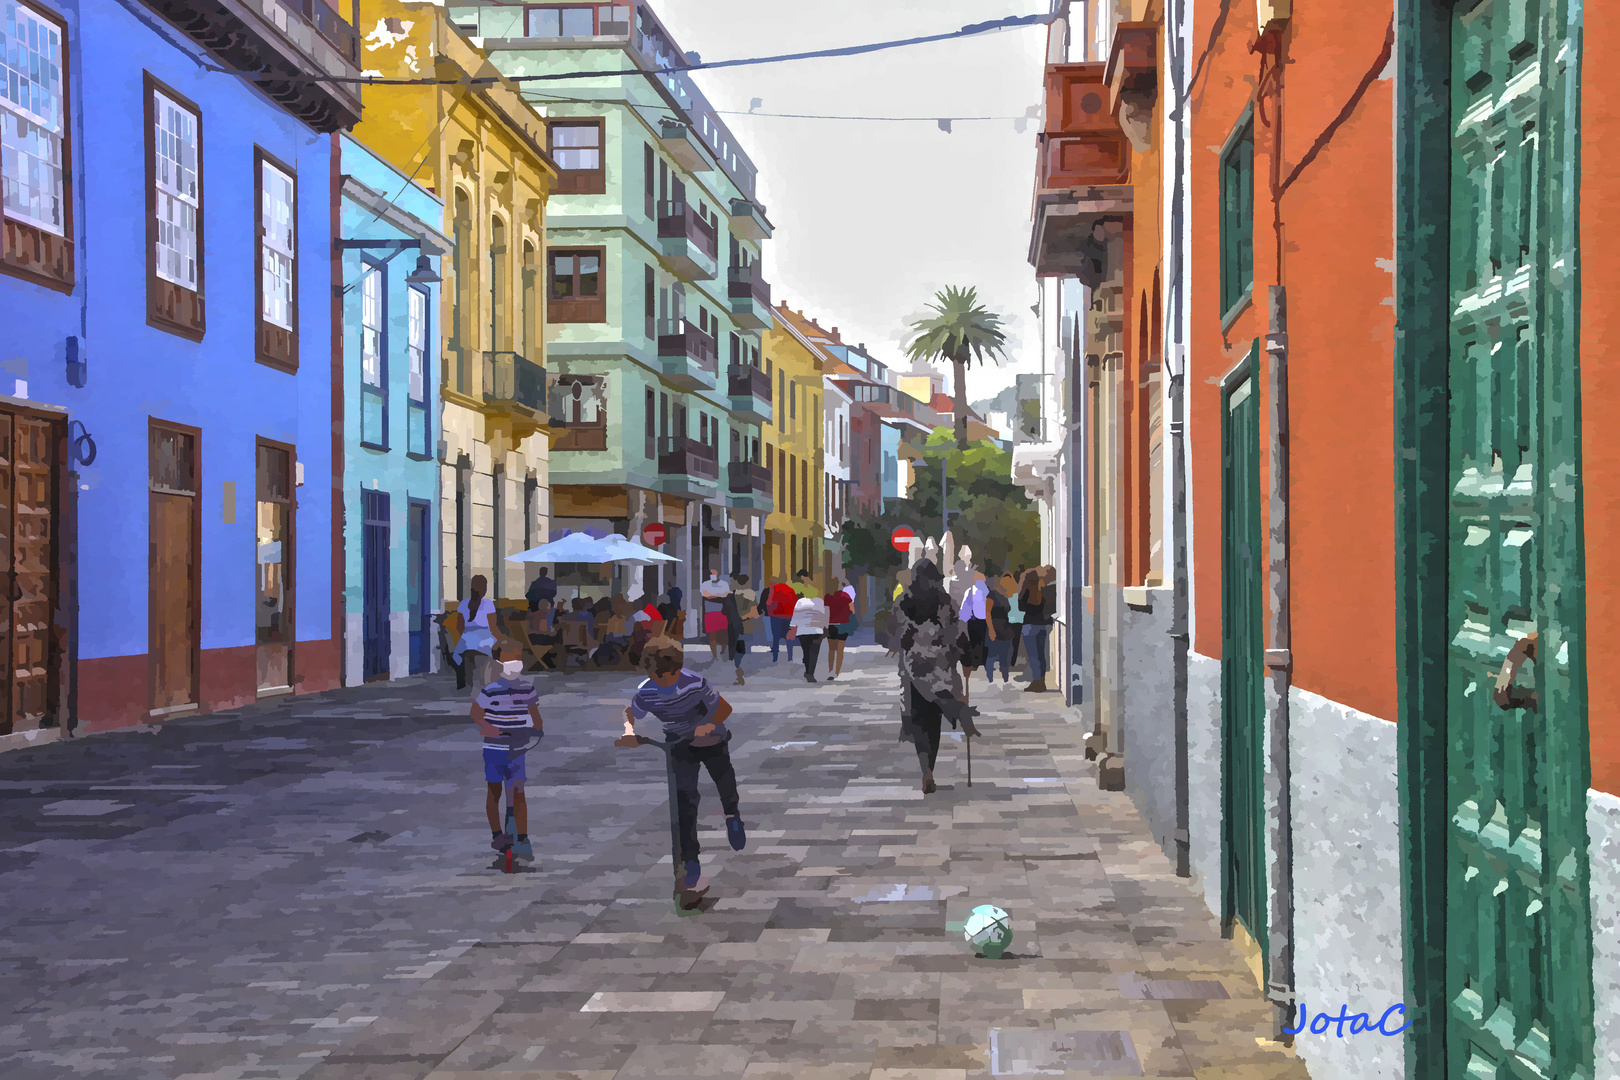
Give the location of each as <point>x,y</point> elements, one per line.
<point>501,768</point>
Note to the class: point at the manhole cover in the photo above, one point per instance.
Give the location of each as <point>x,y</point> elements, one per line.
<point>1033,1052</point>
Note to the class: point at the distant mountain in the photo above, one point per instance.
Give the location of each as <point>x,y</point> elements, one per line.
<point>1004,402</point>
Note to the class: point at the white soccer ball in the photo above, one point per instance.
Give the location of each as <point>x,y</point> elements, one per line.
<point>989,930</point>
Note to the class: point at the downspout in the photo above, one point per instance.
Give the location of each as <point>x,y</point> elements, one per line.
<point>1279,662</point>
<point>1180,603</point>
<point>339,567</point>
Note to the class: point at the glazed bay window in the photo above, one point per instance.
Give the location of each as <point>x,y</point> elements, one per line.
<point>421,426</point>
<point>35,235</point>
<point>278,252</point>
<point>174,206</point>
<point>574,278</point>
<point>576,147</point>
<point>373,357</point>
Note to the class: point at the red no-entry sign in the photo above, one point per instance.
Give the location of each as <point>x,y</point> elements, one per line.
<point>653,534</point>
<point>902,538</point>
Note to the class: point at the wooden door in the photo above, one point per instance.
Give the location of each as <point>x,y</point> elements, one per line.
<point>1243,878</point>
<point>376,592</point>
<point>273,595</point>
<point>174,611</point>
<point>1518,932</point>
<point>419,547</point>
<point>28,570</point>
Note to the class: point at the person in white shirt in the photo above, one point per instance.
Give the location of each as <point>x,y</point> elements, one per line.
<point>974,617</point>
<point>808,627</point>
<point>714,592</point>
<point>477,634</point>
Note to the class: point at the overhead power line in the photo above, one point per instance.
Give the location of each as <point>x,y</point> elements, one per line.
<point>971,30</point>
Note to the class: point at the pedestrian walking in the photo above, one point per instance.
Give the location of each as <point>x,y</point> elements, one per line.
<point>974,618</point>
<point>803,585</point>
<point>928,636</point>
<point>1035,598</point>
<point>477,634</point>
<point>688,707</point>
<point>841,623</point>
<point>714,592</point>
<point>736,647</point>
<point>809,627</point>
<point>779,602</point>
<point>1015,614</point>
<point>508,704</point>
<point>542,588</point>
<point>1000,632</point>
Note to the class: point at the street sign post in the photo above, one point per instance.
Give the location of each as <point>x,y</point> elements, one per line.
<point>902,538</point>
<point>654,534</point>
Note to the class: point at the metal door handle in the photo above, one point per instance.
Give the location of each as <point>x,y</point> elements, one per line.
<point>1507,694</point>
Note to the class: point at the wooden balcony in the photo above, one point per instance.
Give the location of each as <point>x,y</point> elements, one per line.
<point>514,393</point>
<point>299,43</point>
<point>750,297</point>
<point>687,467</point>
<point>688,356</point>
<point>750,391</point>
<point>1132,75</point>
<point>750,487</point>
<point>690,245</point>
<point>583,436</point>
<point>1082,174</point>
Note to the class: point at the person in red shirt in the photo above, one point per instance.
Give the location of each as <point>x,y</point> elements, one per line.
<point>840,624</point>
<point>779,601</point>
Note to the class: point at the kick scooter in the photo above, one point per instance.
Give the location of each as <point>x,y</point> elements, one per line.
<point>686,900</point>
<point>518,744</point>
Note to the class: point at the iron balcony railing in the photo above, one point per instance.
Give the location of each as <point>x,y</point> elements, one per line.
<point>747,282</point>
<point>748,478</point>
<point>677,337</point>
<point>511,379</point>
<point>679,220</point>
<point>679,455</point>
<point>745,380</point>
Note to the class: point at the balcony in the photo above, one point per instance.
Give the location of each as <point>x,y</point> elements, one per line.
<point>750,298</point>
<point>690,359</point>
<point>691,246</point>
<point>1082,174</point>
<point>749,221</point>
<point>750,487</point>
<point>750,391</point>
<point>289,40</point>
<point>1133,80</point>
<point>687,467</point>
<point>514,395</point>
<point>681,143</point>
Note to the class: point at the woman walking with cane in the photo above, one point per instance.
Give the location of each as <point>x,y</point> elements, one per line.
<point>929,637</point>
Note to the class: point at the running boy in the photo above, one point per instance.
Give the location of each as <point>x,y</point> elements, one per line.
<point>689,707</point>
<point>509,704</point>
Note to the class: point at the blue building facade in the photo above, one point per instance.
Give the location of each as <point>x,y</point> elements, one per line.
<point>165,284</point>
<point>390,271</point>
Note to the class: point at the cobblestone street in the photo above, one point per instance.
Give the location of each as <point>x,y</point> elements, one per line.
<point>305,890</point>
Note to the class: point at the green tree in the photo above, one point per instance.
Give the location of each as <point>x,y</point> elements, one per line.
<point>963,332</point>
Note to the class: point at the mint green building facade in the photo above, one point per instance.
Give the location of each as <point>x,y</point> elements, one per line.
<point>654,300</point>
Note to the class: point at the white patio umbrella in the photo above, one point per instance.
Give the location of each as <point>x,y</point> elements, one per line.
<point>576,547</point>
<point>629,551</point>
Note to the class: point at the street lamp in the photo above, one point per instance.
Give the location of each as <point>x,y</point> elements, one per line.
<point>424,274</point>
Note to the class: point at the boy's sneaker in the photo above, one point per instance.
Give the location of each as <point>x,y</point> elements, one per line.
<point>523,849</point>
<point>736,833</point>
<point>503,841</point>
<point>693,872</point>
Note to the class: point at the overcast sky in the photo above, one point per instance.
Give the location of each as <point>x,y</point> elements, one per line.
<point>872,218</point>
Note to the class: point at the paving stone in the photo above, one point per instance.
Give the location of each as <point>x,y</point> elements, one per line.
<point>302,890</point>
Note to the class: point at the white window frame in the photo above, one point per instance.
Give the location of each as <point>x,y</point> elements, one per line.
<point>179,199</point>
<point>278,239</point>
<point>33,132</point>
<point>371,325</point>
<point>417,323</point>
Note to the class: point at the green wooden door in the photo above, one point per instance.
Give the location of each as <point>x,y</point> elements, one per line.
<point>1243,864</point>
<point>1518,936</point>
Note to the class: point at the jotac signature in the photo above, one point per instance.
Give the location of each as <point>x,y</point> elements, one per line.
<point>1360,1023</point>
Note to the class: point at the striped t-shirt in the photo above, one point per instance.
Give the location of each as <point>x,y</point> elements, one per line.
<point>506,704</point>
<point>680,707</point>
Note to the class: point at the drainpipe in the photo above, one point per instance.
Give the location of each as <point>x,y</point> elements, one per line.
<point>337,562</point>
<point>1180,604</point>
<point>1279,663</point>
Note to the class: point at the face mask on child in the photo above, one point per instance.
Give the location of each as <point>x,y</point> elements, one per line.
<point>512,668</point>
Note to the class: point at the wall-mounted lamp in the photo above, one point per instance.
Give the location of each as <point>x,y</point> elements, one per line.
<point>424,274</point>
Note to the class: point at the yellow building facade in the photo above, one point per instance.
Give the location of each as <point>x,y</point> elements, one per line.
<point>794,530</point>
<point>482,150</point>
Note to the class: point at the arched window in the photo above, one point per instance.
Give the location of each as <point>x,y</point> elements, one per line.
<point>526,307</point>
<point>462,294</point>
<point>500,327</point>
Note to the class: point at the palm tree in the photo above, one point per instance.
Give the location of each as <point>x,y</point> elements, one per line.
<point>961,331</point>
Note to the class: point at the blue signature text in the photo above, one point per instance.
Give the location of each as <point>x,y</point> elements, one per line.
<point>1359,1022</point>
